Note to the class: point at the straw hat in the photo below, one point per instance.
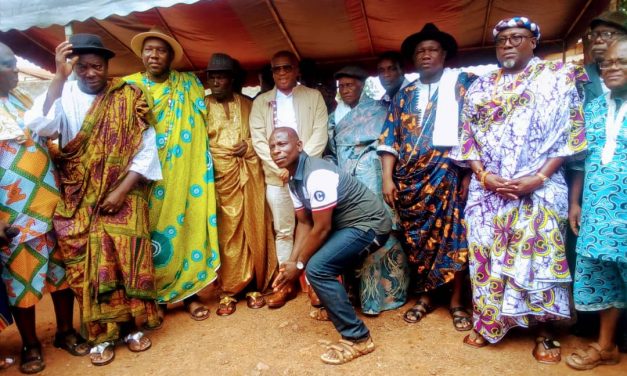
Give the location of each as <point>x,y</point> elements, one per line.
<point>137,43</point>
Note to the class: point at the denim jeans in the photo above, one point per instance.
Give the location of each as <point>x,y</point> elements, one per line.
<point>343,250</point>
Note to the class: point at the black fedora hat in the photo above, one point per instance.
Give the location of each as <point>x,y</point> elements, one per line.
<point>89,44</point>
<point>429,32</point>
<point>220,62</point>
<point>351,71</point>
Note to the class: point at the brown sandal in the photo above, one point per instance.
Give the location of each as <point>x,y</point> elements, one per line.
<point>344,351</point>
<point>593,356</point>
<point>255,300</point>
<point>541,350</point>
<point>475,340</point>
<point>226,306</point>
<point>417,312</point>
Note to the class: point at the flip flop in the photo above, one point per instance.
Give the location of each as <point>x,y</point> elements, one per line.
<point>102,354</point>
<point>137,342</point>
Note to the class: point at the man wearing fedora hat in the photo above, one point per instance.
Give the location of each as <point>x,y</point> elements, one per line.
<point>419,179</point>
<point>245,230</point>
<point>354,130</point>
<point>105,160</point>
<point>183,221</point>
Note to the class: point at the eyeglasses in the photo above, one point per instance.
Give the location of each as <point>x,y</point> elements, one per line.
<point>608,64</point>
<point>282,68</point>
<point>430,51</point>
<point>514,40</point>
<point>604,35</point>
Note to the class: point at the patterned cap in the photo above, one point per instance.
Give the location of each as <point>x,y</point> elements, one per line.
<point>521,22</point>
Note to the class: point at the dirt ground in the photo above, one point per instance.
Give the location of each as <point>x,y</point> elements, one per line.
<point>287,342</point>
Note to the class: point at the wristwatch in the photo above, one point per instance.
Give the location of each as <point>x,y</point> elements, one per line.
<point>300,265</point>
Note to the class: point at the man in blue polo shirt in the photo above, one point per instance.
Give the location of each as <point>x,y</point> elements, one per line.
<point>340,221</point>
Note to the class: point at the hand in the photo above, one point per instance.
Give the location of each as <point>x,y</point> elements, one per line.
<point>240,149</point>
<point>287,274</point>
<point>113,202</point>
<point>390,194</point>
<point>284,175</point>
<point>4,238</point>
<point>574,217</point>
<point>494,183</point>
<point>463,191</point>
<point>64,67</point>
<point>522,186</point>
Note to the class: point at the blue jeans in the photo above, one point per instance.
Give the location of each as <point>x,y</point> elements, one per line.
<point>343,250</point>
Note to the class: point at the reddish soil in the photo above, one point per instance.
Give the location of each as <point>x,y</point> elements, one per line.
<point>287,342</point>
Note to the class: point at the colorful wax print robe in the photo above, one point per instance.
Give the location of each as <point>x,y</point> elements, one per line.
<point>183,219</point>
<point>513,124</point>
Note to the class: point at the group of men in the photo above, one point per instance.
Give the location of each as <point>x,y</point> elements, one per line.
<point>158,186</point>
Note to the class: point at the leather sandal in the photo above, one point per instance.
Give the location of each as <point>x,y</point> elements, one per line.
<point>593,356</point>
<point>31,359</point>
<point>541,350</point>
<point>137,342</point>
<point>197,310</point>
<point>102,354</point>
<point>461,319</point>
<point>417,312</point>
<point>255,300</point>
<point>226,306</point>
<point>344,351</point>
<point>72,342</point>
<point>475,340</point>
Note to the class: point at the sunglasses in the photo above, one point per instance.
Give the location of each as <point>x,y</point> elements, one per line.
<point>282,68</point>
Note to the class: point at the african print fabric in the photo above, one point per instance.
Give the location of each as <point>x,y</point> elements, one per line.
<point>384,274</point>
<point>244,219</point>
<point>107,256</point>
<point>28,197</point>
<point>429,204</point>
<point>604,204</point>
<point>183,218</point>
<point>513,124</point>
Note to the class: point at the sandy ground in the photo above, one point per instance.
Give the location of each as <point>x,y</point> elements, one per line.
<point>287,342</point>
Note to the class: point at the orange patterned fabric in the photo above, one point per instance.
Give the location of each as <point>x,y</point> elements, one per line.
<point>108,257</point>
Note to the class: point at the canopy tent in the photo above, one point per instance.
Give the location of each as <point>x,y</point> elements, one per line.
<point>332,32</point>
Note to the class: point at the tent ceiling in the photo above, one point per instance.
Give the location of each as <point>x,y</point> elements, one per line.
<point>332,32</point>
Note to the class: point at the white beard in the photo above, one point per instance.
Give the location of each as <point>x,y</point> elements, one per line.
<point>508,64</point>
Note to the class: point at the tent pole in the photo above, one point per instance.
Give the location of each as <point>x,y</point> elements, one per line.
<point>279,22</point>
<point>564,51</point>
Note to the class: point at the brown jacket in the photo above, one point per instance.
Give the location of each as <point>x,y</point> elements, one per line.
<point>311,115</point>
